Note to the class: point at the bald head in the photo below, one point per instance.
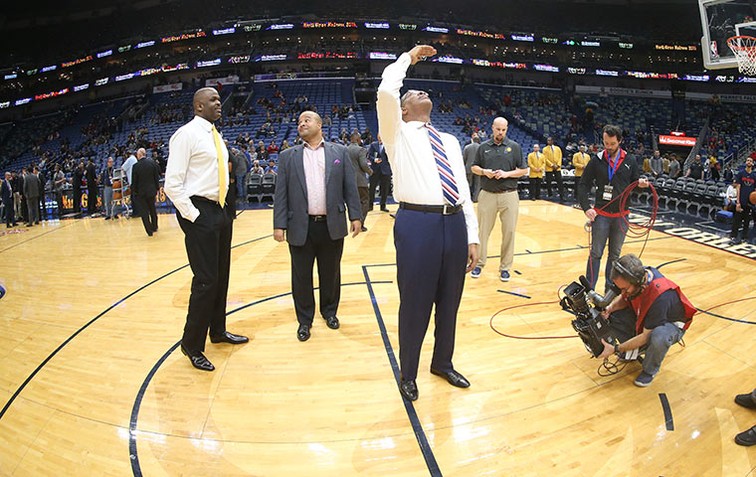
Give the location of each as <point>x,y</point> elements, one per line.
<point>207,104</point>
<point>310,127</point>
<point>141,152</point>
<point>499,129</point>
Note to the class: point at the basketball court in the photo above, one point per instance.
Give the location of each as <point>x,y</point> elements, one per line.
<point>94,384</point>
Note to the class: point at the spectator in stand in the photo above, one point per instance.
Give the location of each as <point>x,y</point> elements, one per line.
<point>665,165</point>
<point>696,169</point>
<point>272,167</point>
<point>674,167</point>
<point>714,169</point>
<point>272,148</point>
<point>257,169</point>
<point>284,145</point>
<point>731,197</point>
<point>656,164</point>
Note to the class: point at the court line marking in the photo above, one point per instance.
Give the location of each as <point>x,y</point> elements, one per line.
<point>417,427</point>
<point>134,419</point>
<point>36,237</point>
<point>93,320</point>
<point>668,421</point>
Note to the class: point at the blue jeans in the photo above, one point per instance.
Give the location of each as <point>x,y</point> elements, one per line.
<point>662,338</point>
<point>622,325</point>
<point>241,192</point>
<point>107,198</point>
<point>613,229</point>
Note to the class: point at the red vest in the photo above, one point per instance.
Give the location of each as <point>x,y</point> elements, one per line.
<point>643,302</point>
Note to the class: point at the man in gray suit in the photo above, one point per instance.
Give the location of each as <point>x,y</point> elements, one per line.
<point>468,154</point>
<point>358,156</point>
<point>314,189</point>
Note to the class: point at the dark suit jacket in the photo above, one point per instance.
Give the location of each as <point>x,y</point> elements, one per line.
<point>376,151</point>
<point>145,178</point>
<point>358,156</point>
<point>290,205</point>
<point>7,191</point>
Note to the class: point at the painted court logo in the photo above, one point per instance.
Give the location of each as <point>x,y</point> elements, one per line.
<point>696,234</point>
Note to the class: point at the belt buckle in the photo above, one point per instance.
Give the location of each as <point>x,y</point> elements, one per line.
<point>447,210</point>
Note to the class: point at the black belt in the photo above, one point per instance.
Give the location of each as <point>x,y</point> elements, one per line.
<point>318,218</point>
<point>500,191</point>
<point>436,209</point>
<point>205,199</point>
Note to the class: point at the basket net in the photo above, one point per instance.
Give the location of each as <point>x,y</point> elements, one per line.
<point>744,49</point>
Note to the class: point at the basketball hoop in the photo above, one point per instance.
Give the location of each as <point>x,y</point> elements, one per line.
<point>744,49</point>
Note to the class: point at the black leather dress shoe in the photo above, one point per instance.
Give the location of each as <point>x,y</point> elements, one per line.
<point>747,438</point>
<point>454,378</point>
<point>745,400</point>
<point>409,390</point>
<point>303,333</point>
<point>332,322</point>
<point>227,337</point>
<point>198,360</point>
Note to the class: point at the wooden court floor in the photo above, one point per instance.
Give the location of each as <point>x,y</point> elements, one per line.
<point>92,381</point>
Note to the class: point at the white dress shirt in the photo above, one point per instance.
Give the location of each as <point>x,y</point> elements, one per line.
<point>192,167</point>
<point>127,165</point>
<point>415,173</point>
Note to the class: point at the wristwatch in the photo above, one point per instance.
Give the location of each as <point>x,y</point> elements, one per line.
<point>616,348</point>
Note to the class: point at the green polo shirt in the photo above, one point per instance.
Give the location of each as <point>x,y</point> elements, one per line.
<point>506,156</point>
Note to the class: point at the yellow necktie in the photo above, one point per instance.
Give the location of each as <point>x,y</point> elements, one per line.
<point>222,185</point>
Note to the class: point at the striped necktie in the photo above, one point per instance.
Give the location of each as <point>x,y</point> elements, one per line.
<point>448,184</point>
<point>222,178</point>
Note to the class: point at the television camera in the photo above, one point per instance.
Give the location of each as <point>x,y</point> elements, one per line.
<point>586,304</point>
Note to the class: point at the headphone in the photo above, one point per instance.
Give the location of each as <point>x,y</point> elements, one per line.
<point>637,280</point>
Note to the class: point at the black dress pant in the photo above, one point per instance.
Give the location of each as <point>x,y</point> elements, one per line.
<point>10,215</point>
<point>365,203</point>
<point>148,212</point>
<point>535,187</point>
<point>91,200</point>
<point>384,182</point>
<point>77,199</point>
<point>319,245</point>
<point>742,220</point>
<point>555,176</point>
<point>208,246</point>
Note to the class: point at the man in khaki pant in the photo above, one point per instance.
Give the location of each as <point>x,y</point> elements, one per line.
<point>500,163</point>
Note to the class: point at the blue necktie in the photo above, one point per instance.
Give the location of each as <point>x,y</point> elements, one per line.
<point>448,184</point>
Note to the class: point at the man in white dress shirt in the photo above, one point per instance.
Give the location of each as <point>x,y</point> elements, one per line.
<point>196,180</point>
<point>436,231</point>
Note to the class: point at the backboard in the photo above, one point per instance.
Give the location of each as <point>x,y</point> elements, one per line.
<point>721,19</point>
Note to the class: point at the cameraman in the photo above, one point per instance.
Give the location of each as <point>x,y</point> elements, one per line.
<point>651,311</point>
<point>611,171</point>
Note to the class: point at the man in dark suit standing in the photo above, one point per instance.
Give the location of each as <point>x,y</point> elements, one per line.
<point>381,172</point>
<point>6,191</point>
<point>145,177</point>
<point>76,181</point>
<point>315,182</point>
<point>91,174</point>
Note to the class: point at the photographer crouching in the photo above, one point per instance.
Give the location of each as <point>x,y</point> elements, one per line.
<point>650,311</point>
